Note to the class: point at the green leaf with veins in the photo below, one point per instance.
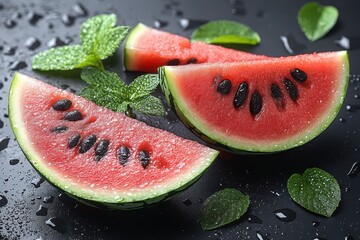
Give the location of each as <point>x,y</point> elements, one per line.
<point>315,190</point>
<point>100,37</point>
<point>149,105</point>
<point>64,58</point>
<point>108,90</point>
<point>143,86</point>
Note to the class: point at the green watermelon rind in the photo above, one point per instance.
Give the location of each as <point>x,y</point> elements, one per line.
<point>197,125</point>
<point>98,199</point>
<point>131,39</point>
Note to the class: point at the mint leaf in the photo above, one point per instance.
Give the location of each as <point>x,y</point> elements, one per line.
<point>100,37</point>
<point>223,207</point>
<point>143,86</point>
<point>316,191</point>
<point>149,105</point>
<point>316,20</point>
<point>224,31</point>
<point>63,58</point>
<point>108,90</point>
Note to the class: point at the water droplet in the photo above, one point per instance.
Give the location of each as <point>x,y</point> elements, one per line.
<point>9,51</point>
<point>55,42</point>
<point>159,23</point>
<point>79,10</point>
<point>187,202</point>
<point>285,214</point>
<point>3,200</point>
<point>32,43</point>
<point>57,224</point>
<point>42,211</point>
<point>48,199</point>
<point>291,45</point>
<point>9,23</point>
<point>184,23</point>
<point>4,143</point>
<point>1,121</point>
<point>261,236</point>
<point>315,223</point>
<point>356,96</point>
<point>14,161</point>
<point>37,182</point>
<point>348,108</point>
<point>67,20</point>
<point>349,238</point>
<point>343,42</point>
<point>33,17</point>
<point>354,170</point>
<point>254,219</point>
<point>347,189</point>
<point>176,12</point>
<point>238,11</point>
<point>17,65</point>
<point>342,120</point>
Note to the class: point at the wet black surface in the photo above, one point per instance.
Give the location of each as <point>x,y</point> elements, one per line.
<point>30,208</point>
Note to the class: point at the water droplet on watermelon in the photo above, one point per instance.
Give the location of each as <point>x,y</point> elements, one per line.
<point>32,43</point>
<point>42,211</point>
<point>67,20</point>
<point>354,170</point>
<point>18,65</point>
<point>57,224</point>
<point>285,214</point>
<point>14,161</point>
<point>254,219</point>
<point>4,143</point>
<point>3,200</point>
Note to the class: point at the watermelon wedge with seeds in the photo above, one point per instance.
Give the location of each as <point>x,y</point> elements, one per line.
<point>146,49</point>
<point>100,157</point>
<point>266,105</point>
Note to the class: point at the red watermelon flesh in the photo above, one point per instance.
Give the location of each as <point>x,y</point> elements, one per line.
<point>147,49</point>
<point>278,124</point>
<point>175,162</point>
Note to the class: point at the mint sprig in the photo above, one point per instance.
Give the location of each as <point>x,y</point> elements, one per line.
<point>316,20</point>
<point>315,190</point>
<point>223,207</point>
<point>107,89</point>
<point>225,32</point>
<point>100,39</point>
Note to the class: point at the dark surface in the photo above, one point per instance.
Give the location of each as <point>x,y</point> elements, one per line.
<point>27,212</point>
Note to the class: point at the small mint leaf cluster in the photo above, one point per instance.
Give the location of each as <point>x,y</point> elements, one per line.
<point>108,90</point>
<point>99,39</point>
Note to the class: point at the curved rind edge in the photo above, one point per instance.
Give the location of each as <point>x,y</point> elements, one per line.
<point>222,144</point>
<point>88,197</point>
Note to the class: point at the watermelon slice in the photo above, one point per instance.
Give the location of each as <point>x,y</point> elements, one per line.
<point>98,156</point>
<point>147,48</point>
<point>266,105</point>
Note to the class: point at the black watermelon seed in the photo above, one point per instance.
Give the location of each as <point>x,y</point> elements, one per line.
<point>276,93</point>
<point>62,105</point>
<point>144,157</point>
<point>291,89</point>
<point>255,103</point>
<point>192,60</point>
<point>173,62</point>
<point>87,143</point>
<point>60,129</point>
<point>298,75</point>
<point>101,149</point>
<point>74,115</point>
<point>224,87</point>
<point>74,140</point>
<point>241,94</point>
<point>123,154</point>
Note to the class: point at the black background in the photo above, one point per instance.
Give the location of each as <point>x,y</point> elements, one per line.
<point>262,177</point>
